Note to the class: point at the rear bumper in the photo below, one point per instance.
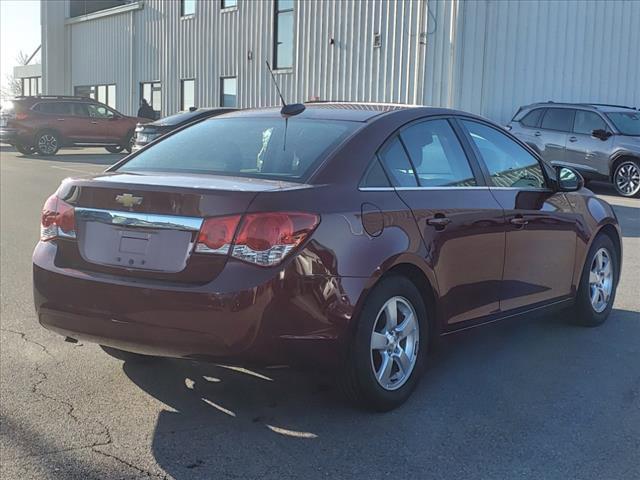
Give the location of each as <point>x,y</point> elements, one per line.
<point>8,135</point>
<point>287,319</point>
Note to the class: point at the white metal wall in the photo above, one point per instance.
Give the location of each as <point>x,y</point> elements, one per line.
<point>485,56</point>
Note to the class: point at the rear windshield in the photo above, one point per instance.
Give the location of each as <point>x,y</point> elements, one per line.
<point>253,147</point>
<point>628,123</point>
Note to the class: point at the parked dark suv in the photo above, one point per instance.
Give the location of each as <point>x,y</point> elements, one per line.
<point>43,124</point>
<point>601,141</point>
<point>148,132</point>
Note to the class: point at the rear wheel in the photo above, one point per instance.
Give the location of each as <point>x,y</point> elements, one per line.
<point>47,143</point>
<point>626,178</point>
<point>597,289</point>
<point>114,148</point>
<point>389,346</point>
<point>24,149</point>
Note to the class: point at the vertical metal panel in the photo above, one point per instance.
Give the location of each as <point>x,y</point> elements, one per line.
<point>485,56</point>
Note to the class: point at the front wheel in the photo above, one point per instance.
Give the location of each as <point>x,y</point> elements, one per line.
<point>114,148</point>
<point>389,346</point>
<point>47,143</point>
<point>25,149</point>
<point>597,289</point>
<point>626,178</point>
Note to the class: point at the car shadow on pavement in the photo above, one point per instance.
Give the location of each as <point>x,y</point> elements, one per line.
<point>71,155</point>
<point>514,376</point>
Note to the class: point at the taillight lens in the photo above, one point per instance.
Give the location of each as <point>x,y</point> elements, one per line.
<point>21,116</point>
<point>267,238</point>
<point>58,219</point>
<point>263,238</point>
<point>216,234</point>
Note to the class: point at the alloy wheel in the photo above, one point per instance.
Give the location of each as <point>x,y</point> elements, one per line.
<point>394,343</point>
<point>627,179</point>
<point>47,144</point>
<point>600,280</point>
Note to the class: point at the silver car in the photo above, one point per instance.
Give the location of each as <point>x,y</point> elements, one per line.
<point>601,141</point>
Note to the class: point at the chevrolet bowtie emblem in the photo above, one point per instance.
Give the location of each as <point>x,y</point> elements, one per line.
<point>128,200</point>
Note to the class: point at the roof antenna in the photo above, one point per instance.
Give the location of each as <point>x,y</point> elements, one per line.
<point>286,110</point>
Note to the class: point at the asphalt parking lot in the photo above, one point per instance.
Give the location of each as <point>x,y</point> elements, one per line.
<point>536,399</point>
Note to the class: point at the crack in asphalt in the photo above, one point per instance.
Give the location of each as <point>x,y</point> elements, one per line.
<point>28,340</point>
<point>130,465</point>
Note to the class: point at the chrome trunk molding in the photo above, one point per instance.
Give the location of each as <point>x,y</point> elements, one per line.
<point>139,220</point>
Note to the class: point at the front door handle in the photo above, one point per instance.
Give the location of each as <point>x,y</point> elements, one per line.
<point>537,134</point>
<point>61,119</point>
<point>519,221</point>
<point>439,221</point>
<point>94,123</point>
<point>573,139</point>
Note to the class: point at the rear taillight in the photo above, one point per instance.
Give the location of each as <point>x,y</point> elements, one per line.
<point>263,238</point>
<point>21,116</point>
<point>58,219</point>
<point>216,234</point>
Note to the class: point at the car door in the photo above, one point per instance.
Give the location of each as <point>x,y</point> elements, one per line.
<point>589,154</point>
<point>84,130</point>
<point>541,227</point>
<point>527,129</point>
<point>461,223</point>
<point>100,124</point>
<point>555,127</point>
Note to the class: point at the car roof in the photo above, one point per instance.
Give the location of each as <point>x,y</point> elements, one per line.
<point>347,111</point>
<point>181,117</point>
<point>603,107</point>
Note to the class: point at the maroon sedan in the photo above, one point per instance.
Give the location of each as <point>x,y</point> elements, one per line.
<point>349,236</point>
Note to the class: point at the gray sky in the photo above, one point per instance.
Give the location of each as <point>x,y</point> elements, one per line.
<point>19,30</point>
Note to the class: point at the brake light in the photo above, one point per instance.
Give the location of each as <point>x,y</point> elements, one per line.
<point>21,116</point>
<point>58,219</point>
<point>262,238</point>
<point>267,238</point>
<point>216,234</point>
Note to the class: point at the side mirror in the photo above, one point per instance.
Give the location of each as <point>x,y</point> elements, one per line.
<point>568,179</point>
<point>601,134</point>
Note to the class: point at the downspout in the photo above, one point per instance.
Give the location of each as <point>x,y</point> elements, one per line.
<point>453,38</point>
<point>132,95</point>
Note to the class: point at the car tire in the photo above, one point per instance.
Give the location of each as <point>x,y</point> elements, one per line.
<point>126,356</point>
<point>626,178</point>
<point>47,143</point>
<point>114,148</point>
<point>25,150</point>
<point>128,145</point>
<point>366,378</point>
<point>598,283</point>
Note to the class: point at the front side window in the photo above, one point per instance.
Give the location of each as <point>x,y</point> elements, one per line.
<point>397,164</point>
<point>228,92</point>
<point>628,123</point>
<point>508,163</point>
<point>586,122</point>
<point>187,7</point>
<point>98,111</point>
<point>260,147</point>
<point>283,48</point>
<point>532,119</point>
<point>437,155</point>
<point>103,93</point>
<point>187,94</point>
<point>560,119</point>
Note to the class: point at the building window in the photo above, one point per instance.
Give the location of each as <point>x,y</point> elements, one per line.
<point>151,92</point>
<point>229,92</point>
<point>283,48</point>
<point>103,93</point>
<point>31,86</point>
<point>188,94</point>
<point>187,7</point>
<point>228,3</point>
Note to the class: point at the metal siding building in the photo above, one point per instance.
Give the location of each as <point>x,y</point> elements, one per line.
<point>484,56</point>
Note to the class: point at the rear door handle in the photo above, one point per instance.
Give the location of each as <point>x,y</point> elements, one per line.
<point>537,134</point>
<point>94,123</point>
<point>573,139</point>
<point>519,221</point>
<point>440,222</point>
<point>61,119</point>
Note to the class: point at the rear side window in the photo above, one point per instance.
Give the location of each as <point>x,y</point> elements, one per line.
<point>532,119</point>
<point>57,108</point>
<point>586,122</point>
<point>509,164</point>
<point>261,147</point>
<point>437,155</point>
<point>397,164</point>
<point>560,119</point>
<point>375,176</point>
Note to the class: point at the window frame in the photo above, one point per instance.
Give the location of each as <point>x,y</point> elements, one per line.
<point>482,165</point>
<point>153,88</point>
<point>228,8</point>
<point>222,79</point>
<point>573,119</point>
<point>94,91</point>
<point>182,9</point>
<point>276,13</point>
<point>182,84</point>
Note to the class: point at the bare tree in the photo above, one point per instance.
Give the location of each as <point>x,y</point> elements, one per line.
<point>12,86</point>
<point>22,58</point>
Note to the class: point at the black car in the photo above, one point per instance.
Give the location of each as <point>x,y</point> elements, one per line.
<point>148,132</point>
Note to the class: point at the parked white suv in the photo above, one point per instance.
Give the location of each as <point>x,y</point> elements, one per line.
<point>601,141</point>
